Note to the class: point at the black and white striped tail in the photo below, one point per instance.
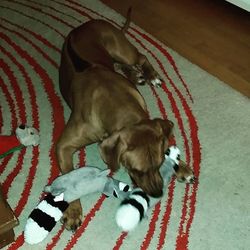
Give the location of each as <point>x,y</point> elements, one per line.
<point>132,210</point>
<point>43,219</point>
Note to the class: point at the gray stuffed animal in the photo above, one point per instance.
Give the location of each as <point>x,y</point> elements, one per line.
<point>87,180</point>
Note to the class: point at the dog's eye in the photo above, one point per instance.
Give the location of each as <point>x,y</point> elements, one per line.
<point>32,133</point>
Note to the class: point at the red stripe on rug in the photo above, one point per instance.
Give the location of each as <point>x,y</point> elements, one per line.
<point>166,217</point>
<point>1,115</point>
<point>55,134</point>
<point>8,182</point>
<point>151,227</point>
<point>75,9</point>
<point>120,240</point>
<point>10,178</point>
<point>55,239</point>
<point>17,243</point>
<point>55,101</point>
<point>45,55</point>
<point>150,233</point>
<point>22,116</point>
<point>35,35</point>
<point>57,106</point>
<point>50,179</point>
<point>55,10</point>
<point>183,236</point>
<point>16,88</point>
<point>85,223</point>
<point>18,91</point>
<point>8,97</point>
<point>196,145</point>
<point>13,116</point>
<point>33,18</point>
<point>194,132</point>
<point>40,10</point>
<point>82,157</point>
<point>28,184</point>
<point>55,174</point>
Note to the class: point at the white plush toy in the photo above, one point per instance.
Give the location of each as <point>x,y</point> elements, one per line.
<point>134,208</point>
<point>24,136</point>
<point>28,136</point>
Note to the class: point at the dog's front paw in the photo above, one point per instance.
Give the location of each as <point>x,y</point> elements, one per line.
<point>153,78</point>
<point>72,217</point>
<point>156,82</point>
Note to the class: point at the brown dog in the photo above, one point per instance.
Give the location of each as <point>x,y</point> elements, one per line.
<point>107,108</point>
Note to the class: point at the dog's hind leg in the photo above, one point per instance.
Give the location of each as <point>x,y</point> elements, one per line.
<point>135,65</point>
<point>149,73</point>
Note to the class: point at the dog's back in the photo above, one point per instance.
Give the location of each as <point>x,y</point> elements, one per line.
<point>87,74</point>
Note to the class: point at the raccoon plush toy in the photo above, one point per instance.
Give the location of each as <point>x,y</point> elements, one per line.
<point>134,208</point>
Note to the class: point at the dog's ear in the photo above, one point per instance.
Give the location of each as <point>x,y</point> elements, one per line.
<point>166,127</point>
<point>111,149</point>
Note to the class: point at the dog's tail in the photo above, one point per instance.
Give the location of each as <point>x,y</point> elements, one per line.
<point>126,25</point>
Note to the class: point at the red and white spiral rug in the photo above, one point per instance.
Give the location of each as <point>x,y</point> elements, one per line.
<point>31,35</point>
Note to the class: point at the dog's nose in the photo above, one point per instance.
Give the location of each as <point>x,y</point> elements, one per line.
<point>22,126</point>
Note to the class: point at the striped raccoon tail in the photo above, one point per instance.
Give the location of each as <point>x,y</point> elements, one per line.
<point>132,210</point>
<point>43,218</point>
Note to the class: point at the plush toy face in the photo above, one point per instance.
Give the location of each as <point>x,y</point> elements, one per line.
<point>182,172</point>
<point>115,188</point>
<point>27,136</point>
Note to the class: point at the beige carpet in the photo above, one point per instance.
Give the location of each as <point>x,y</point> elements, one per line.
<point>212,124</point>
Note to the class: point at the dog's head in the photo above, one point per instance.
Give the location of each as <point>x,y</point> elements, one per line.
<point>140,149</point>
